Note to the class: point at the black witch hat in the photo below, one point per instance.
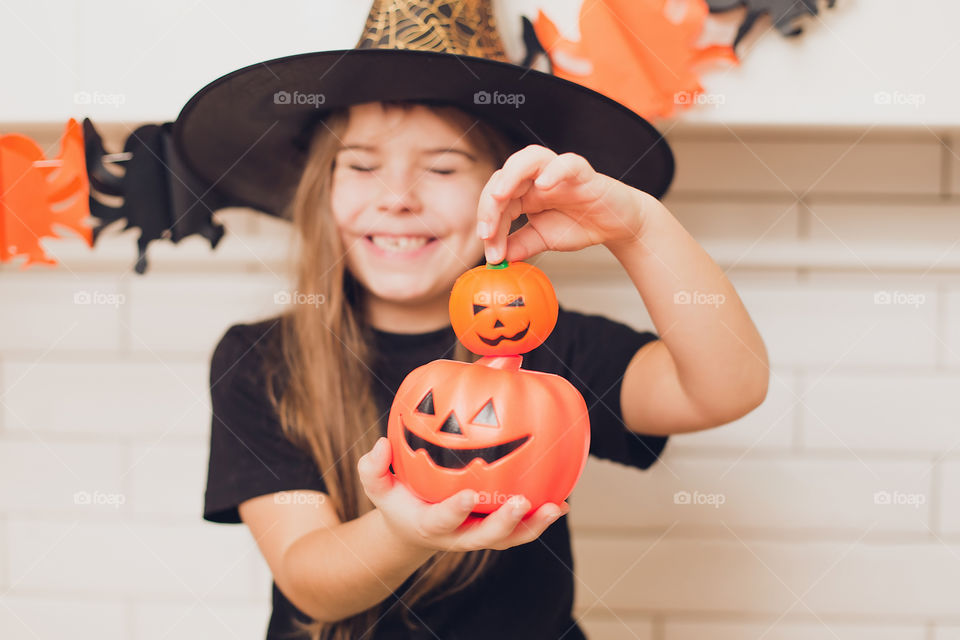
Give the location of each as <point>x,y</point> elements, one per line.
<point>247,131</point>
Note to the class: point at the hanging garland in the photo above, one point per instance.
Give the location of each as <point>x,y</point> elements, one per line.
<point>629,50</point>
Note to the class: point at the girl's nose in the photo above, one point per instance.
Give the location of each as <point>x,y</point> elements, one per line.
<point>398,193</point>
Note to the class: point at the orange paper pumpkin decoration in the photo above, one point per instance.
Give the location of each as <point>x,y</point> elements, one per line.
<point>503,309</point>
<point>491,427</point>
<point>633,52</point>
<point>38,195</point>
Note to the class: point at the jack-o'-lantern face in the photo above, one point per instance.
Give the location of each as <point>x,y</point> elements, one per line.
<point>459,457</point>
<point>488,426</point>
<point>503,309</point>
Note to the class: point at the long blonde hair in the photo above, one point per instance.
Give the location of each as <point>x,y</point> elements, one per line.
<point>328,406</point>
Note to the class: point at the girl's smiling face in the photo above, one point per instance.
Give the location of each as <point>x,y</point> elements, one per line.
<point>405,188</point>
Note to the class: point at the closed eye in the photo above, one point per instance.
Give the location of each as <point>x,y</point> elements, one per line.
<point>359,168</point>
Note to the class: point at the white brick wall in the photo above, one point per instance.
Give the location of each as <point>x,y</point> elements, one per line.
<point>839,498</point>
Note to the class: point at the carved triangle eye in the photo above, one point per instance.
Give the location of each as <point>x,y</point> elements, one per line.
<point>487,415</point>
<point>451,425</point>
<point>426,405</point>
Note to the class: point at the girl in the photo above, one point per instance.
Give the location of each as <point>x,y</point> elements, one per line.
<point>431,155</point>
<point>349,545</point>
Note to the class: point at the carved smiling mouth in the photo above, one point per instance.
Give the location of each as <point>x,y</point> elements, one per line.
<point>459,458</point>
<point>517,336</point>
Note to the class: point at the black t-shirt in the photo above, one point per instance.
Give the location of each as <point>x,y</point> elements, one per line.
<point>528,590</point>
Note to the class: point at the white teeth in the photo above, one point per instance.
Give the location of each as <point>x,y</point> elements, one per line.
<point>399,243</point>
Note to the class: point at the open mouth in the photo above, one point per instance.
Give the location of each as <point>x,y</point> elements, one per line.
<point>459,458</point>
<point>517,336</point>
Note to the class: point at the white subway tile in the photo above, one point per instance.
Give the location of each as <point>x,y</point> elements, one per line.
<point>168,479</point>
<point>265,226</point>
<point>193,255</point>
<point>61,617</point>
<point>883,280</point>
<point>786,630</point>
<point>830,326</point>
<point>741,276</point>
<point>116,253</point>
<point>40,475</point>
<point>262,576</point>
<point>743,163</point>
<point>4,555</point>
<point>238,221</point>
<point>953,162</point>
<point>784,494</point>
<point>934,225</point>
<point>747,221</point>
<point>736,575</point>
<point>949,489</point>
<point>769,426</point>
<point>881,412</point>
<point>51,311</point>
<point>171,313</point>
<point>951,304</point>
<point>201,619</point>
<point>116,398</point>
<point>132,559</point>
<point>605,625</point>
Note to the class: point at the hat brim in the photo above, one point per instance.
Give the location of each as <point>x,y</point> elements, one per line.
<point>245,139</point>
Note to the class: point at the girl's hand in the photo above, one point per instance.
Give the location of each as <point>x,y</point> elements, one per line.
<point>448,525</point>
<point>569,206</point>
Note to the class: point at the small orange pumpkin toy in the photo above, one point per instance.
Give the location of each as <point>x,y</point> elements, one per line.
<point>503,309</point>
<point>491,426</point>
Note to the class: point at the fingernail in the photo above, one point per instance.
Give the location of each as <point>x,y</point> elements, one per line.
<point>378,448</point>
<point>467,500</point>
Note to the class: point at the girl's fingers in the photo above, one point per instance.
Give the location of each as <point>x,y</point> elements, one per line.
<point>566,166</point>
<point>523,243</point>
<point>524,178</point>
<point>523,166</point>
<point>374,469</point>
<point>499,524</point>
<point>445,517</point>
<point>509,183</point>
<point>495,248</point>
<point>531,528</point>
<point>488,209</point>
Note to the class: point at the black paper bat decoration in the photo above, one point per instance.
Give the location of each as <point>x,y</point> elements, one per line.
<point>533,49</point>
<point>160,196</point>
<point>783,13</point>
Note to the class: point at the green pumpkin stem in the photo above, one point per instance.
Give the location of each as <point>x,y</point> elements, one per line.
<point>500,265</point>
